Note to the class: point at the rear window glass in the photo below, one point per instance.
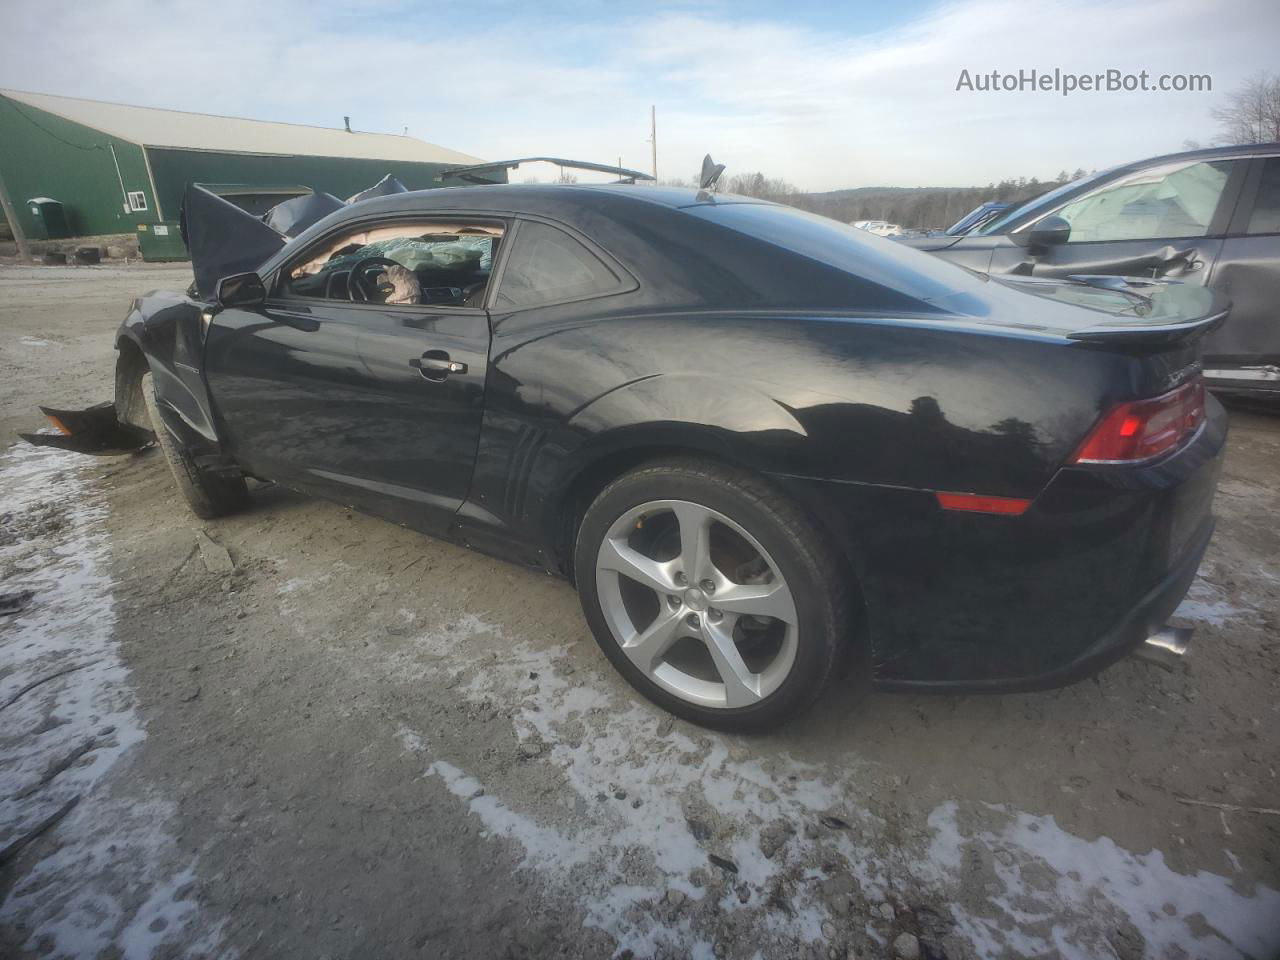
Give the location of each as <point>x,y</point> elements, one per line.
<point>878,260</point>
<point>546,265</point>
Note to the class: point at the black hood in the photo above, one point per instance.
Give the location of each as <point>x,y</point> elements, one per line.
<point>222,239</point>
<point>384,187</point>
<point>293,216</point>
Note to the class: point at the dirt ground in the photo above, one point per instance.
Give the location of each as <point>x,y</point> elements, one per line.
<point>343,740</point>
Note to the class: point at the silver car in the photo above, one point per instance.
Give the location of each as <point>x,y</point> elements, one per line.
<point>1208,217</point>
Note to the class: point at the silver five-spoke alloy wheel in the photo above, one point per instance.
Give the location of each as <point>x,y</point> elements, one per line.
<point>697,604</point>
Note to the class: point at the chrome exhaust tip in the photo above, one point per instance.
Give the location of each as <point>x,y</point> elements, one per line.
<point>1175,640</point>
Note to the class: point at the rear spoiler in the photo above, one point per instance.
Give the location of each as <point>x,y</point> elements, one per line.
<point>474,173</point>
<point>1126,331</point>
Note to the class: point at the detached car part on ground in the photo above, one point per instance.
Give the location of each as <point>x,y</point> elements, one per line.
<point>1207,217</point>
<point>771,450</point>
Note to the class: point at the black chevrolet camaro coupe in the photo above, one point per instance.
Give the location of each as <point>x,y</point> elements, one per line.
<point>769,449</point>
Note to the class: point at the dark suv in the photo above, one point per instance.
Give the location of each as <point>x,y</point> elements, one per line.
<point>1207,217</point>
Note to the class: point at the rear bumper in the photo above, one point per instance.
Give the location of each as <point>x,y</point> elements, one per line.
<point>965,601</point>
<point>1147,616</point>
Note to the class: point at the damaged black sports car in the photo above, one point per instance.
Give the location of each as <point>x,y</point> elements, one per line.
<point>770,450</point>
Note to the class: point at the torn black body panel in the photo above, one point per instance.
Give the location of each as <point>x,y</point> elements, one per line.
<point>293,216</point>
<point>383,188</point>
<point>95,430</point>
<point>223,239</point>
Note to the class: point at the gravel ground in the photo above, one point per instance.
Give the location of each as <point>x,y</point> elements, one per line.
<point>315,734</point>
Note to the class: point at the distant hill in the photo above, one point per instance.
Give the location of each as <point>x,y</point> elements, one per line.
<point>922,207</point>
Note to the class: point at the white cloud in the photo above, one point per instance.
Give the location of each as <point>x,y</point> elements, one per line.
<point>820,106</point>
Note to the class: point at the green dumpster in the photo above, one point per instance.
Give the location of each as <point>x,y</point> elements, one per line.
<point>50,219</point>
<point>161,242</point>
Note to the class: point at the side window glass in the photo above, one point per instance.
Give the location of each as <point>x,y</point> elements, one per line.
<point>438,264</point>
<point>1266,207</point>
<point>1161,203</point>
<point>547,265</point>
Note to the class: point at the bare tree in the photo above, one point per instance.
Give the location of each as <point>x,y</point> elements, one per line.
<point>766,188</point>
<point>1251,114</point>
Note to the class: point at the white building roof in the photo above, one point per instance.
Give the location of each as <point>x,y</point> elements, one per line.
<point>152,127</point>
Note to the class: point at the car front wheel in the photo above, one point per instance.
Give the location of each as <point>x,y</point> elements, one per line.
<point>712,594</point>
<point>208,494</point>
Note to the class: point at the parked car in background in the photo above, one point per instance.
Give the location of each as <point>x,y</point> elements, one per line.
<point>770,450</point>
<point>1206,217</point>
<point>881,228</point>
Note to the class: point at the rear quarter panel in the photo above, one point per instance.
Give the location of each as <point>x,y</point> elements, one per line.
<point>883,404</point>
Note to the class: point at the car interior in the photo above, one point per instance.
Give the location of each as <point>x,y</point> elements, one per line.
<point>438,264</point>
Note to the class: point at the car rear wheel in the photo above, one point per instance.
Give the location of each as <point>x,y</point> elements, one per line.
<point>712,594</point>
<point>208,494</point>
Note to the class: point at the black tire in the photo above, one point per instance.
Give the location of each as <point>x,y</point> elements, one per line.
<point>208,494</point>
<point>810,565</point>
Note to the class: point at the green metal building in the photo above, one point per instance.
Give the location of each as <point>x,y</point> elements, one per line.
<point>121,169</point>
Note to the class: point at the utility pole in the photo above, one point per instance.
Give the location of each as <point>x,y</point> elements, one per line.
<point>653,138</point>
<point>11,215</point>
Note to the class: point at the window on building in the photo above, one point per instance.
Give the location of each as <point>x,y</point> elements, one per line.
<point>137,201</point>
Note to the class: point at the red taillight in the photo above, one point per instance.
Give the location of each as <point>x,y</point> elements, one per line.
<point>977,503</point>
<point>1142,429</point>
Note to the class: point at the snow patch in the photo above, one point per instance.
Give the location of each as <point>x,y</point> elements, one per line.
<point>649,804</point>
<point>70,718</point>
<point>1208,604</point>
<point>1050,879</point>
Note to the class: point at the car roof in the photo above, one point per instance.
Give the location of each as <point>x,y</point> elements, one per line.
<point>1212,153</point>
<point>573,204</point>
<point>540,197</point>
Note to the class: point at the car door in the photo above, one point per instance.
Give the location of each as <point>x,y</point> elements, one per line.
<point>1166,220</point>
<point>1245,351</point>
<point>377,405</point>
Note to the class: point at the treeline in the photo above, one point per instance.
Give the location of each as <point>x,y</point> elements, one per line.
<point>918,208</point>
<point>923,208</point>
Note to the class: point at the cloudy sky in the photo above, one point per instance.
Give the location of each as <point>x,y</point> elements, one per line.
<point>824,95</point>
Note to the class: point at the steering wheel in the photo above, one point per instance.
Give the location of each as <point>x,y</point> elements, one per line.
<point>358,285</point>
